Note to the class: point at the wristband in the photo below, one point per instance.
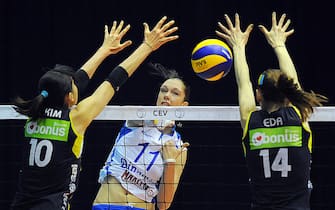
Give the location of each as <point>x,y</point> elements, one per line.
<point>169,160</point>
<point>117,77</point>
<point>81,79</point>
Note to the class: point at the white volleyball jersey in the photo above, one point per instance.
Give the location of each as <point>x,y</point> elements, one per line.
<point>135,160</point>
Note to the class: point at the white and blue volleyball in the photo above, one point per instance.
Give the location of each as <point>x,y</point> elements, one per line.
<point>211,59</point>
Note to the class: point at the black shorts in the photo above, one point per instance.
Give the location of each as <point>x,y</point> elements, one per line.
<point>57,201</point>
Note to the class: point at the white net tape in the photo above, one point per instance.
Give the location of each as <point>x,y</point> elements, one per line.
<point>181,113</point>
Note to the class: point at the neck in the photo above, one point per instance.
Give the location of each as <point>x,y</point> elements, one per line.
<point>271,107</point>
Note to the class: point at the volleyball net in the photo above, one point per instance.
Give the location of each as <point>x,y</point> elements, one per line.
<point>180,113</point>
<point>215,176</point>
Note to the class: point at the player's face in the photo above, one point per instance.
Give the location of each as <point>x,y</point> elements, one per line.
<point>172,93</point>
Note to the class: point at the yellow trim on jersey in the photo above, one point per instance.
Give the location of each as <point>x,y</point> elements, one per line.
<point>245,131</point>
<point>297,110</point>
<point>77,147</point>
<point>307,128</point>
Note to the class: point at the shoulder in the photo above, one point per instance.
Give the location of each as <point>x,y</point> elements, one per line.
<point>305,124</point>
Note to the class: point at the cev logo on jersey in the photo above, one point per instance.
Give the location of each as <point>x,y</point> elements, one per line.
<point>48,129</point>
<point>287,136</point>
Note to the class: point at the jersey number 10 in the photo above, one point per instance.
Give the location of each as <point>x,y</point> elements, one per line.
<point>35,157</point>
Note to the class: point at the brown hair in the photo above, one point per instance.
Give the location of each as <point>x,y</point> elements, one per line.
<point>276,87</point>
<point>166,73</point>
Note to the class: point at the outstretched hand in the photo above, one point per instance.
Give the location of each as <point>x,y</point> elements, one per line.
<point>112,39</point>
<point>233,33</point>
<point>278,33</point>
<point>160,34</point>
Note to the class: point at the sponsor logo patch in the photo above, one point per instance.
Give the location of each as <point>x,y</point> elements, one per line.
<point>287,136</point>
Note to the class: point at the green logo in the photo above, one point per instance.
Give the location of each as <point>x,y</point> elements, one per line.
<point>288,136</point>
<point>52,129</point>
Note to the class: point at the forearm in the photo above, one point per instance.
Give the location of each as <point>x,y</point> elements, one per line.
<point>241,66</point>
<point>170,180</point>
<point>93,63</point>
<point>167,186</point>
<point>91,107</point>
<point>136,58</point>
<point>285,62</point>
<point>246,96</point>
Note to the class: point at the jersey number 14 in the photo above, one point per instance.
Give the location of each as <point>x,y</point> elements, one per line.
<point>280,163</point>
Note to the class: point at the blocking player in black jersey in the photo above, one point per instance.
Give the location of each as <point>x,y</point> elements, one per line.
<point>277,138</point>
<point>54,131</point>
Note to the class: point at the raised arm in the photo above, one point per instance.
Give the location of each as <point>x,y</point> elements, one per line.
<point>111,45</point>
<point>90,107</point>
<point>276,38</point>
<point>237,40</point>
<point>153,39</point>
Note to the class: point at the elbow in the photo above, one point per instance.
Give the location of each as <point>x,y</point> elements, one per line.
<point>165,202</point>
<point>163,205</point>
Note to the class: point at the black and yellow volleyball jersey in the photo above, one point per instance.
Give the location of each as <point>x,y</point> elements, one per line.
<point>277,148</point>
<point>51,158</point>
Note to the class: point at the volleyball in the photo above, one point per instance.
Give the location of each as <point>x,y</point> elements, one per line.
<point>211,59</point>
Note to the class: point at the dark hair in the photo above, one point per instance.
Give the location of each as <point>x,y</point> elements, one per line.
<point>166,73</point>
<point>276,87</point>
<point>64,69</point>
<point>80,77</point>
<point>56,85</point>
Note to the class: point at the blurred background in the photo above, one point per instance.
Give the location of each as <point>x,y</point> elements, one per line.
<point>36,35</point>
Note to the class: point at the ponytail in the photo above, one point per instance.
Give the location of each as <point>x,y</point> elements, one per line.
<point>304,101</point>
<point>31,108</point>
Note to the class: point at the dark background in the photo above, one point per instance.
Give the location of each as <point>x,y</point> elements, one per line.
<point>35,35</point>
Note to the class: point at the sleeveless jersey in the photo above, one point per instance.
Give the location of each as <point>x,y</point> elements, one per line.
<point>51,154</point>
<point>278,153</point>
<point>135,160</point>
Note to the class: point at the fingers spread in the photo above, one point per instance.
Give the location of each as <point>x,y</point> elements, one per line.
<point>118,29</point>
<point>160,22</point>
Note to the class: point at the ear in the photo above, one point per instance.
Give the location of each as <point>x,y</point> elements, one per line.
<point>69,99</point>
<point>185,103</point>
<point>259,96</point>
<point>71,96</point>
